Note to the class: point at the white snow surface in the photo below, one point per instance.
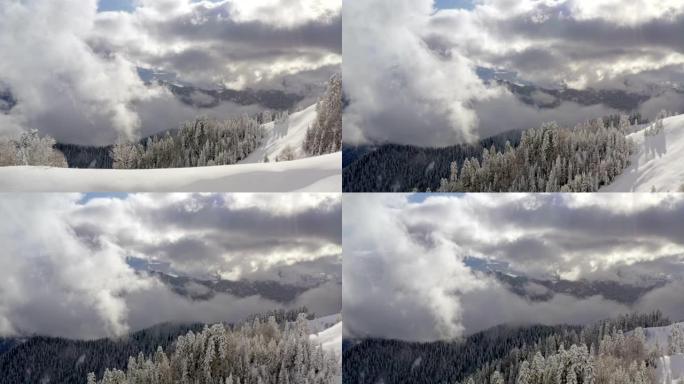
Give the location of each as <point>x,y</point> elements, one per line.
<point>313,174</point>
<point>657,161</point>
<point>670,369</point>
<point>329,339</point>
<point>277,139</point>
<point>321,323</point>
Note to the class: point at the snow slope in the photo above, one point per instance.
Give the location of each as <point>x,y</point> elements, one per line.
<point>314,174</point>
<point>670,369</point>
<point>330,339</point>
<point>657,161</point>
<point>277,138</point>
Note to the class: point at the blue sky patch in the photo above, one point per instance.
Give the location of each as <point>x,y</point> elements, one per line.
<point>103,195</point>
<point>115,5</point>
<point>454,4</point>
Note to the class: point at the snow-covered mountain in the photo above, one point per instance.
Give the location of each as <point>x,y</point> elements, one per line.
<point>545,288</point>
<point>657,162</point>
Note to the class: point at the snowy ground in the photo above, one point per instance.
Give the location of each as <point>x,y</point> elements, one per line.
<point>330,339</point>
<point>327,332</point>
<point>670,368</point>
<point>280,137</point>
<point>314,174</point>
<point>657,161</point>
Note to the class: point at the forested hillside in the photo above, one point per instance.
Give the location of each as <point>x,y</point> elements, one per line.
<point>499,351</point>
<point>548,159</point>
<point>39,359</point>
<point>253,353</point>
<point>403,168</point>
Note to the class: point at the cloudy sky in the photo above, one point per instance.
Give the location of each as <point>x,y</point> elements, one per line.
<point>406,275</point>
<point>73,65</point>
<point>66,268</point>
<point>410,65</point>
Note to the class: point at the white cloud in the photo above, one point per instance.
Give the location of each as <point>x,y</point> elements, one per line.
<point>401,90</point>
<point>56,77</point>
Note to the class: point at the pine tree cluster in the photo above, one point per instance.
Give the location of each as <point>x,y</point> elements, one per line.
<point>203,142</point>
<point>31,149</point>
<point>254,353</point>
<point>325,135</point>
<point>548,159</point>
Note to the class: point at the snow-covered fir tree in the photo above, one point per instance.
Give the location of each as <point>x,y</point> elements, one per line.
<point>31,149</point>
<point>254,353</point>
<point>548,159</point>
<point>325,135</point>
<point>203,142</point>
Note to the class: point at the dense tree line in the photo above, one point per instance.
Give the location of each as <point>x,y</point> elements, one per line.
<point>548,159</point>
<point>480,356</point>
<point>37,359</point>
<point>402,168</point>
<point>85,156</point>
<point>203,142</point>
<point>253,353</point>
<point>597,350</point>
<point>31,149</point>
<point>40,359</point>
<point>325,135</point>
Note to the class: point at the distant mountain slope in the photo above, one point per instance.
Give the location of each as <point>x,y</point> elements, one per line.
<point>314,174</point>
<point>657,163</point>
<point>197,289</point>
<point>210,98</point>
<point>544,289</point>
<point>552,98</point>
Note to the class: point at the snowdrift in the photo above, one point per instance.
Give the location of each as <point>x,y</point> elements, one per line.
<point>657,162</point>
<point>314,174</point>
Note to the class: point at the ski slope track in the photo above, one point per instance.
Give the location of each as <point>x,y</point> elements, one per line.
<point>312,174</point>
<point>277,138</point>
<point>657,163</point>
<point>670,368</point>
<point>331,341</point>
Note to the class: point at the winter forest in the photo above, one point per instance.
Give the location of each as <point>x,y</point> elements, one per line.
<point>617,351</point>
<point>252,353</point>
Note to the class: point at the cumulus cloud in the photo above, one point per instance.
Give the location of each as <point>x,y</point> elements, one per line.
<point>57,79</point>
<point>74,71</point>
<point>400,90</point>
<point>415,82</point>
<point>75,266</point>
<point>414,280</point>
